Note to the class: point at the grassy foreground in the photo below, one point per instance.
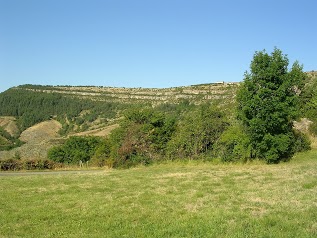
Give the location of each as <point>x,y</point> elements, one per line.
<point>192,199</point>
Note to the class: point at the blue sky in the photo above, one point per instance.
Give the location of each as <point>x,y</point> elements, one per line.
<point>148,43</point>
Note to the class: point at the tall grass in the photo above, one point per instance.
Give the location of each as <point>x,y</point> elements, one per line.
<point>168,200</point>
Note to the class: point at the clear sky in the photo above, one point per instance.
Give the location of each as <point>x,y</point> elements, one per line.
<point>148,43</point>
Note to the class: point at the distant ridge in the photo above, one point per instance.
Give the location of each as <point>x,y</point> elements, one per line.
<point>195,93</point>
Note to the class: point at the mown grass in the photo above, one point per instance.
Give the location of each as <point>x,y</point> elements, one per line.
<point>192,199</point>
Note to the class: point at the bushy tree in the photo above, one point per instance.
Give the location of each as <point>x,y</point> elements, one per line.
<point>234,144</point>
<point>75,149</point>
<point>142,136</point>
<point>102,156</point>
<point>268,100</point>
<point>197,132</point>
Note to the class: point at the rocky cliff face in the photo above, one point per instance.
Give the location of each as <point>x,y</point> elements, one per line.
<point>196,93</point>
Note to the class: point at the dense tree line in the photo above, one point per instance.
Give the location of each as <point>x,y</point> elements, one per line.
<point>149,134</point>
<point>31,107</point>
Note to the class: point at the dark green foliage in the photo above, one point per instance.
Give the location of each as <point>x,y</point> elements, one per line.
<point>102,155</point>
<point>268,103</point>
<point>142,137</point>
<point>149,134</point>
<point>74,150</point>
<point>57,154</point>
<point>197,132</point>
<point>5,134</point>
<point>234,144</point>
<point>31,107</point>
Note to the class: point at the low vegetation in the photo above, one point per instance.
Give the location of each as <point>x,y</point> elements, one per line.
<point>16,164</point>
<point>7,141</point>
<point>179,199</point>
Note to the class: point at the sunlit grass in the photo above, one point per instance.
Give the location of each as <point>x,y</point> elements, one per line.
<point>192,199</point>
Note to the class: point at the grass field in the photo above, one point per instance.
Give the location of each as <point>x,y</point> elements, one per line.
<point>193,199</point>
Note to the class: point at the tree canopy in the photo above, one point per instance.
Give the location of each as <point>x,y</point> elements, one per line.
<point>267,103</point>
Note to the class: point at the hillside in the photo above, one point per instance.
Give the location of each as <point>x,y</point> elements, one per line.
<point>195,93</point>
<point>28,110</point>
<point>44,116</point>
<point>9,124</point>
<point>37,140</point>
<point>88,108</point>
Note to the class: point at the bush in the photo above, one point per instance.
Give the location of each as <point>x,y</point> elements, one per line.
<point>274,148</point>
<point>197,132</point>
<point>102,155</point>
<point>74,150</point>
<point>234,145</point>
<point>141,138</point>
<point>131,161</point>
<point>302,142</point>
<point>11,164</point>
<point>34,164</point>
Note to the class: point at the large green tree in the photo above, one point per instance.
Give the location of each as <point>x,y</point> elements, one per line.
<point>267,102</point>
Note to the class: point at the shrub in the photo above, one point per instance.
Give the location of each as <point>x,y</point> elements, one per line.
<point>102,155</point>
<point>141,138</point>
<point>33,164</point>
<point>11,164</point>
<point>75,149</point>
<point>302,142</point>
<point>197,132</point>
<point>234,145</point>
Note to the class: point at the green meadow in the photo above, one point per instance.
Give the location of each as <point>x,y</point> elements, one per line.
<point>175,199</point>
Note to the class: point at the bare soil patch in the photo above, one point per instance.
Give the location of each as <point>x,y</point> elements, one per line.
<point>9,124</point>
<point>102,132</point>
<point>38,139</point>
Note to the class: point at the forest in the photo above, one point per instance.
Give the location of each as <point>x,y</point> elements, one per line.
<point>31,107</point>
<point>257,125</point>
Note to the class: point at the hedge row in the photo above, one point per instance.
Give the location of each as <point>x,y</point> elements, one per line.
<point>33,164</point>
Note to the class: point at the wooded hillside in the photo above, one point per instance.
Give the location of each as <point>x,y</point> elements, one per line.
<point>146,125</point>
